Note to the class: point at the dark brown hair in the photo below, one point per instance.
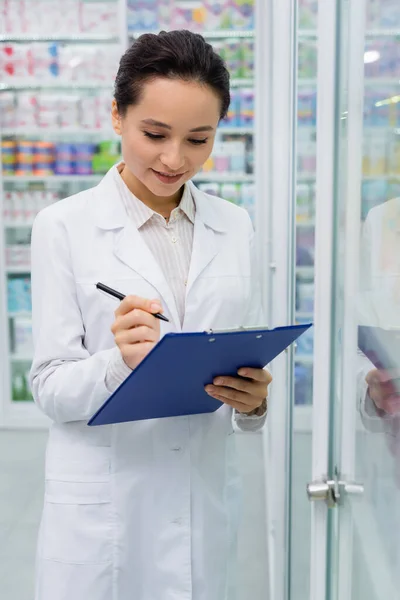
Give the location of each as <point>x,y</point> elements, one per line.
<point>177,54</point>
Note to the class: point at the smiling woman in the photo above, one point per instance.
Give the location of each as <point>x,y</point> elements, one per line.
<point>144,510</point>
<point>167,109</point>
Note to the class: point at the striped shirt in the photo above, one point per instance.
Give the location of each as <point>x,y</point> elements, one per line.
<point>171,244</point>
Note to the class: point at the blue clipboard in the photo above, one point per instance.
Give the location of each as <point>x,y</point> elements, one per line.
<point>170,381</point>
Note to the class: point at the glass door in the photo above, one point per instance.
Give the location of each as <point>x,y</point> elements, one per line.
<point>355,547</point>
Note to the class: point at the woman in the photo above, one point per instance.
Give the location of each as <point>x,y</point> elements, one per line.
<point>143,510</point>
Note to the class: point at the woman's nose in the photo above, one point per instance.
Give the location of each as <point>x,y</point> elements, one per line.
<point>172,159</point>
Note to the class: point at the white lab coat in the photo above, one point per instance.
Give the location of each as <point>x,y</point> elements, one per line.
<point>145,510</point>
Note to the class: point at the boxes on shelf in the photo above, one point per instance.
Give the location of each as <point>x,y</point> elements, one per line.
<point>238,54</point>
<point>44,17</point>
<point>21,207</point>
<point>53,111</point>
<point>241,109</point>
<point>20,390</point>
<point>21,336</point>
<point>153,15</point>
<point>47,158</point>
<point>307,59</point>
<point>305,202</point>
<point>18,256</point>
<point>242,194</point>
<point>304,296</point>
<point>57,62</point>
<point>308,13</point>
<point>19,294</point>
<point>303,383</point>
<point>305,246</point>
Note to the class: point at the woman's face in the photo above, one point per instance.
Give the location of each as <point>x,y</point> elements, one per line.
<point>169,135</point>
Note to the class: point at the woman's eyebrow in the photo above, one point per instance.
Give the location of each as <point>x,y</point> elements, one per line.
<point>165,126</point>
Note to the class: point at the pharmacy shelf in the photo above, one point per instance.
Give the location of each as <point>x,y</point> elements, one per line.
<point>305,272</point>
<point>305,224</point>
<point>235,130</point>
<point>62,37</point>
<point>55,85</point>
<point>21,358</point>
<point>302,417</point>
<point>17,225</point>
<point>304,359</point>
<point>211,35</point>
<point>368,81</point>
<point>247,82</point>
<point>51,178</point>
<point>387,177</point>
<point>17,270</point>
<point>370,33</point>
<point>59,131</point>
<point>382,32</point>
<point>304,315</point>
<point>224,177</point>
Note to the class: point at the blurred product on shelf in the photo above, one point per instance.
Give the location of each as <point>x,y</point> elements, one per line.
<point>303,383</point>
<point>306,153</point>
<point>57,62</point>
<point>387,59</point>
<point>307,107</point>
<point>44,159</point>
<point>238,53</point>
<point>21,207</point>
<point>382,106</point>
<point>242,194</point>
<point>19,294</point>
<point>20,382</point>
<point>21,336</point>
<point>383,13</point>
<point>44,17</point>
<point>308,13</point>
<point>305,246</point>
<point>305,346</point>
<point>307,59</point>
<point>196,15</point>
<point>377,191</point>
<point>233,154</point>
<point>305,202</point>
<point>54,111</point>
<point>304,295</point>
<point>381,154</point>
<point>241,110</point>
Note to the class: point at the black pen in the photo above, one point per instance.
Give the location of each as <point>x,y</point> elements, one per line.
<point>108,290</point>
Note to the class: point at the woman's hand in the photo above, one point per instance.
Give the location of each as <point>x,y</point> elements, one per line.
<point>384,390</point>
<point>136,331</point>
<point>245,393</point>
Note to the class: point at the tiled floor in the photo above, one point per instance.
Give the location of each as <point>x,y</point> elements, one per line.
<point>21,497</point>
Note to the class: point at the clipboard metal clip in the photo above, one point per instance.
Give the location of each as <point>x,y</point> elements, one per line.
<point>212,332</point>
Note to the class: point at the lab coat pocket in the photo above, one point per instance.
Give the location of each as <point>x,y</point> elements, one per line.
<point>77,522</point>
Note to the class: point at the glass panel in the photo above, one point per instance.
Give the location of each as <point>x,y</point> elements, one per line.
<point>364,533</point>
<point>300,530</point>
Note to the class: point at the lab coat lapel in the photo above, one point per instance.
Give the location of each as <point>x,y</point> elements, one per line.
<point>130,248</point>
<point>207,237</point>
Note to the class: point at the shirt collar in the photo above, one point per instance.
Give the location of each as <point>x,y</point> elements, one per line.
<point>141,213</point>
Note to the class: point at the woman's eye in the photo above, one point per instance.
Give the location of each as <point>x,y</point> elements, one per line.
<point>198,142</point>
<point>153,136</point>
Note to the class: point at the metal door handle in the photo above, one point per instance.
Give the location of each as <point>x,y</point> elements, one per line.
<point>332,490</point>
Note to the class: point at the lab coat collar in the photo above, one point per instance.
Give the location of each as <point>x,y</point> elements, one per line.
<point>110,212</point>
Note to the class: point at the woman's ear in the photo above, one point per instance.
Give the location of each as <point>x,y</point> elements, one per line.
<point>116,118</point>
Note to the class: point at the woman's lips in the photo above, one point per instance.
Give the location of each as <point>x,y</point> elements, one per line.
<point>165,178</point>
